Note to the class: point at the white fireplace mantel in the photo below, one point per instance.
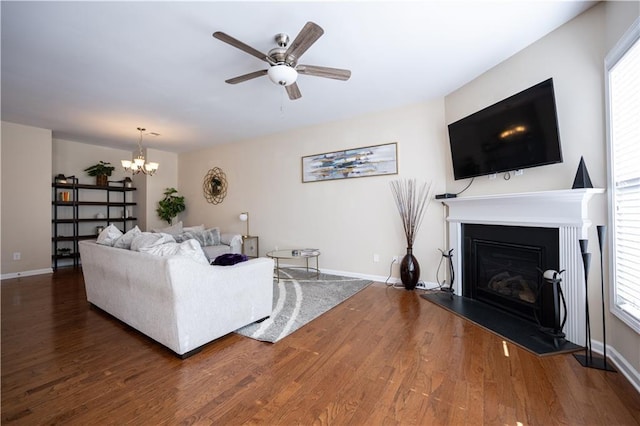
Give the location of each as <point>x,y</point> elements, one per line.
<point>546,208</point>
<point>566,210</point>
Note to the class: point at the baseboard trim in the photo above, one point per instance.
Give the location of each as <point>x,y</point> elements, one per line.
<point>620,363</point>
<point>12,275</point>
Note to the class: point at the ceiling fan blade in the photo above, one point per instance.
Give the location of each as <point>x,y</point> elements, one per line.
<point>326,72</point>
<point>309,34</point>
<point>240,45</point>
<point>241,78</point>
<point>293,91</point>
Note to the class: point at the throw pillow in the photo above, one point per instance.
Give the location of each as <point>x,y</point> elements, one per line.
<point>171,230</point>
<point>199,228</point>
<point>210,237</point>
<point>189,248</point>
<point>124,242</point>
<point>149,239</point>
<point>229,259</point>
<point>109,235</point>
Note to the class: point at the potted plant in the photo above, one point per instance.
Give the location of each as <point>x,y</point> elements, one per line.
<point>170,205</point>
<point>101,171</point>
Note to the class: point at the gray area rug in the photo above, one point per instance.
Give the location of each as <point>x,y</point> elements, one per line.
<point>299,299</point>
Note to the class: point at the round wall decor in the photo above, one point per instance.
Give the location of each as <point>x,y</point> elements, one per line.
<point>215,186</point>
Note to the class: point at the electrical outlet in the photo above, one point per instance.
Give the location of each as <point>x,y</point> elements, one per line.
<point>519,172</point>
<point>16,255</point>
<point>376,258</point>
<point>421,285</point>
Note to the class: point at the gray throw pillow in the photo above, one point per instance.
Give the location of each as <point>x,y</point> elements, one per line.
<point>209,237</point>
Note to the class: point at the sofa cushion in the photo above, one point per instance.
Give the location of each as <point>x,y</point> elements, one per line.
<point>229,259</point>
<point>109,235</point>
<point>150,239</point>
<point>124,241</point>
<point>214,251</point>
<point>209,237</point>
<point>175,229</point>
<point>198,228</point>
<point>189,248</point>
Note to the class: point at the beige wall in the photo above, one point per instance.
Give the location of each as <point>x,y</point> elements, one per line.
<point>349,220</point>
<point>574,56</point>
<point>165,177</point>
<point>71,158</point>
<point>26,199</point>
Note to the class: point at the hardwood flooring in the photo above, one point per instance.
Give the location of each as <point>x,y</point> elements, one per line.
<point>385,356</point>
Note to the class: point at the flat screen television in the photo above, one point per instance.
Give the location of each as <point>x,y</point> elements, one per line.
<point>518,132</point>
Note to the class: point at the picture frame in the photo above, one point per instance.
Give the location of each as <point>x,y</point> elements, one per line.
<point>374,160</point>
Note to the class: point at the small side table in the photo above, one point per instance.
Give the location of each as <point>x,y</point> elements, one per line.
<point>250,246</point>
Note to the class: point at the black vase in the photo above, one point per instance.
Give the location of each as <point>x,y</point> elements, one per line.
<point>409,270</point>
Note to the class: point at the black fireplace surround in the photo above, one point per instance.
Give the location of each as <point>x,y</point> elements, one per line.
<point>500,267</point>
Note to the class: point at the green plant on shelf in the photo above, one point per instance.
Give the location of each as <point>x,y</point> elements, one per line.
<point>101,171</point>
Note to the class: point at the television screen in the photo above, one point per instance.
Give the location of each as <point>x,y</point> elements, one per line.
<point>516,133</point>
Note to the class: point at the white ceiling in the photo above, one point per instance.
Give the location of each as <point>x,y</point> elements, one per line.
<point>94,71</point>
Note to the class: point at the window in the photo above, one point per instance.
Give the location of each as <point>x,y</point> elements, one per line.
<point>622,83</point>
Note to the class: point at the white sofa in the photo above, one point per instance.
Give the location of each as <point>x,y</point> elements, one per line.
<point>178,302</point>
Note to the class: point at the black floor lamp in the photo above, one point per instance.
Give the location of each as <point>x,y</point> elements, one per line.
<point>588,360</point>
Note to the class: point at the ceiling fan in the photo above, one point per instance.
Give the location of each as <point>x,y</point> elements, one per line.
<point>283,60</point>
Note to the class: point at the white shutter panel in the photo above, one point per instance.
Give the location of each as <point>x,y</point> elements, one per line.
<point>624,90</point>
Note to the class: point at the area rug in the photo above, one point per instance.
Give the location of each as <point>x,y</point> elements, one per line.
<point>299,299</point>
<point>514,329</point>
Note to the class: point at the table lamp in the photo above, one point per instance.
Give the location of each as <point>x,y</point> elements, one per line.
<point>244,216</point>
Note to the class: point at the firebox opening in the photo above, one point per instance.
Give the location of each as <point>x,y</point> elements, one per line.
<point>501,268</point>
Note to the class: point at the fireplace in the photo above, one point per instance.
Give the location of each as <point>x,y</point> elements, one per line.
<point>564,210</point>
<point>501,267</point>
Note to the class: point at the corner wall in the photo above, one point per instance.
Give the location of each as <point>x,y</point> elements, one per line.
<point>26,200</point>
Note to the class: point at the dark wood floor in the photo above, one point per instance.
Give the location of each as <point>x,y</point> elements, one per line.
<point>385,356</point>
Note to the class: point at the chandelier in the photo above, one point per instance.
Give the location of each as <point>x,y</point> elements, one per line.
<point>139,164</point>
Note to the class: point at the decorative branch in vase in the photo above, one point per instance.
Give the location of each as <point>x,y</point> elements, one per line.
<point>412,200</point>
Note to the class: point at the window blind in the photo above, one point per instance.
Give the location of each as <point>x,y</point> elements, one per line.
<point>624,101</point>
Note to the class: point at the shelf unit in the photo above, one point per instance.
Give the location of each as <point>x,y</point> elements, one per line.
<point>72,217</point>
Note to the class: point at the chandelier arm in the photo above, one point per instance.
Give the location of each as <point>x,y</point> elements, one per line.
<point>139,163</point>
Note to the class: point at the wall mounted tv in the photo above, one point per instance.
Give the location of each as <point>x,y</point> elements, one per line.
<point>516,133</point>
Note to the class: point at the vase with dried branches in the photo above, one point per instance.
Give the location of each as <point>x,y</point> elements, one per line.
<point>412,200</point>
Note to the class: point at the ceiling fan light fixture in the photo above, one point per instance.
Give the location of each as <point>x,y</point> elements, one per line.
<point>283,75</point>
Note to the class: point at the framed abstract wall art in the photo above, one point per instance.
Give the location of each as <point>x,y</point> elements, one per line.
<point>350,163</point>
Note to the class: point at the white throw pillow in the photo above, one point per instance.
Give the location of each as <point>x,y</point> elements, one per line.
<point>109,235</point>
<point>171,230</point>
<point>199,228</point>
<point>124,242</point>
<point>189,248</point>
<point>150,239</point>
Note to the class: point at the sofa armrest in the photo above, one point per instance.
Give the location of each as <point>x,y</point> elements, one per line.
<point>232,240</point>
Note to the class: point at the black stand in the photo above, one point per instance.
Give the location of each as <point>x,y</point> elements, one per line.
<point>553,278</point>
<point>449,259</point>
<point>588,360</point>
